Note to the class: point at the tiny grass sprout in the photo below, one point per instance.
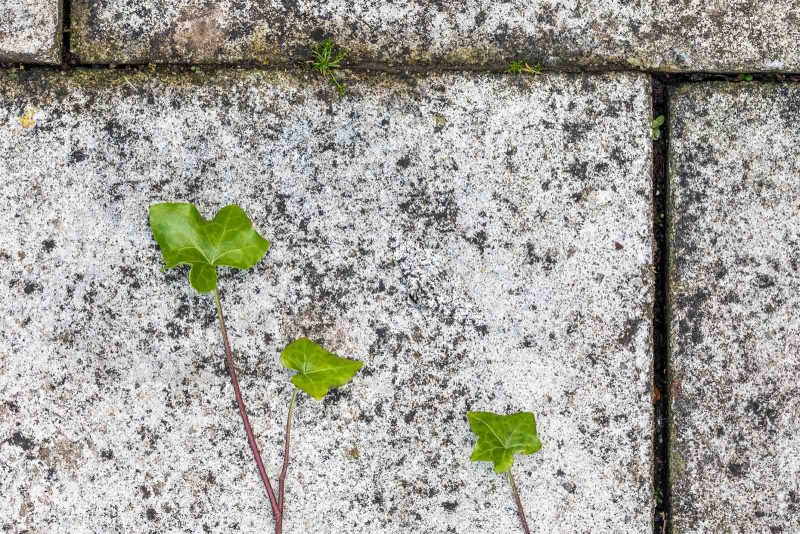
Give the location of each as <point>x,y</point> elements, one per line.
<point>229,240</point>
<point>499,438</point>
<point>515,67</point>
<point>655,127</point>
<point>744,77</point>
<point>326,59</point>
<point>518,67</point>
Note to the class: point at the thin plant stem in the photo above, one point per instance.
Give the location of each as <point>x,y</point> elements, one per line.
<point>519,503</point>
<point>251,438</point>
<point>282,478</point>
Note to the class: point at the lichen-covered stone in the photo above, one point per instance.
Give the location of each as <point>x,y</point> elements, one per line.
<point>735,332</point>
<point>30,31</point>
<point>669,35</point>
<point>480,242</point>
<point>722,36</point>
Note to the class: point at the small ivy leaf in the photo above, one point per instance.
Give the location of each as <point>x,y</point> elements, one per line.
<point>317,369</point>
<point>186,238</point>
<point>502,436</point>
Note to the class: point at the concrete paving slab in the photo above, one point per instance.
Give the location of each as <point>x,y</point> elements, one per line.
<point>30,31</point>
<point>722,36</point>
<point>480,242</point>
<point>669,35</point>
<point>735,332</point>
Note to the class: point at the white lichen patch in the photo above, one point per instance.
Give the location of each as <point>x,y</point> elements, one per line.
<point>736,308</point>
<point>459,234</point>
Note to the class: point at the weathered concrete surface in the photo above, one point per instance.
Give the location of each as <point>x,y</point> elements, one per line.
<point>670,35</point>
<point>723,36</point>
<point>30,31</point>
<point>736,308</point>
<point>480,242</point>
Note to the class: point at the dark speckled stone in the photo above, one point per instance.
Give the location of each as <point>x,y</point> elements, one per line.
<point>735,173</point>
<point>449,231</point>
<point>667,35</point>
<point>30,31</point>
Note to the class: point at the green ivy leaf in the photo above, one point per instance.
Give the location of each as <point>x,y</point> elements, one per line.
<point>317,369</point>
<point>186,238</point>
<point>501,436</point>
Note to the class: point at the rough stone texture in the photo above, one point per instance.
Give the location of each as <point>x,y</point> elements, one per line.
<point>30,31</point>
<point>481,242</point>
<point>722,36</point>
<point>670,35</point>
<point>736,308</point>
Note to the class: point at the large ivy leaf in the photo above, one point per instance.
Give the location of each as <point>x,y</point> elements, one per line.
<point>317,369</point>
<point>501,436</point>
<point>186,238</point>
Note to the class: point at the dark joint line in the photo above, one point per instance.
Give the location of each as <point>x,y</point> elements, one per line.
<point>70,63</point>
<point>661,371</point>
<point>66,23</point>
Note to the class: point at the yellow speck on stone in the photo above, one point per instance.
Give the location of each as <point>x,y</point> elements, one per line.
<point>27,120</point>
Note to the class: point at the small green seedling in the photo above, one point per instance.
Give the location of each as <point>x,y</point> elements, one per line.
<point>518,67</point>
<point>325,59</point>
<point>499,438</point>
<point>655,127</point>
<point>743,77</point>
<point>229,240</point>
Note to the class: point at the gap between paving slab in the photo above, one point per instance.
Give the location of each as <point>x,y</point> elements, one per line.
<point>661,489</point>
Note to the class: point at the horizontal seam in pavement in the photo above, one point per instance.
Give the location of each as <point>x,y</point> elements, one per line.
<point>403,69</point>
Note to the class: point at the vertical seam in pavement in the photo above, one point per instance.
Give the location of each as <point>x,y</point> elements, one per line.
<point>661,389</point>
<point>66,27</point>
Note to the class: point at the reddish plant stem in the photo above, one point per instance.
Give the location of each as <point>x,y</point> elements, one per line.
<point>519,503</point>
<point>251,438</point>
<point>282,478</point>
